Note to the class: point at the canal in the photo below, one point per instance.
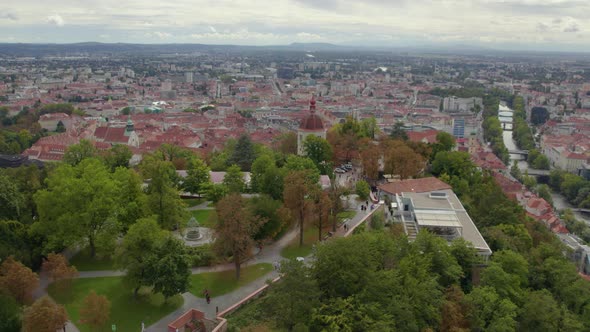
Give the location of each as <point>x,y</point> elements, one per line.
<point>559,201</point>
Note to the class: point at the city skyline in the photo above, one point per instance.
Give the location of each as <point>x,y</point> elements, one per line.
<point>544,25</point>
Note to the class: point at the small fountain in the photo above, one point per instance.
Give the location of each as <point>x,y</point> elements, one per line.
<point>192,230</point>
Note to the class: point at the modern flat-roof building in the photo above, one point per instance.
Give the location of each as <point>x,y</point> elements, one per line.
<point>430,204</point>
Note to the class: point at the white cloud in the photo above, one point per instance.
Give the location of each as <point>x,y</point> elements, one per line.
<point>265,22</point>
<point>8,15</point>
<point>308,36</point>
<point>56,19</point>
<point>158,35</point>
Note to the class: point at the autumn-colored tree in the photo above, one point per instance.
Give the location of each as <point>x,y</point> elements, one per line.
<point>56,266</point>
<point>453,311</point>
<point>44,316</point>
<point>345,145</point>
<point>370,155</point>
<point>18,280</point>
<point>235,229</point>
<point>323,205</point>
<point>286,143</point>
<point>95,310</point>
<point>298,195</point>
<point>402,160</point>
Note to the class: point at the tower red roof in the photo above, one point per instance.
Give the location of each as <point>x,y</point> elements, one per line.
<point>312,122</point>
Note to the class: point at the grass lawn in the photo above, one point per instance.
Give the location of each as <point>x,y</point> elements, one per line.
<point>126,312</point>
<point>206,218</point>
<point>219,283</point>
<point>190,202</point>
<point>83,262</point>
<point>310,237</point>
<point>345,214</point>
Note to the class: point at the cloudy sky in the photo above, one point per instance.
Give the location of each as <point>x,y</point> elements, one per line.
<point>503,24</point>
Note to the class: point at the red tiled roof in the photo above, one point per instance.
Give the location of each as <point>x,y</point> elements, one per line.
<point>111,134</point>
<point>312,122</point>
<point>419,136</point>
<point>414,185</point>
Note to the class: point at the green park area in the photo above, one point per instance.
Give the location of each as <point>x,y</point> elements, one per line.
<point>219,283</point>
<point>190,202</point>
<point>294,250</point>
<point>127,313</point>
<point>345,215</point>
<point>206,218</point>
<point>310,237</point>
<point>83,262</point>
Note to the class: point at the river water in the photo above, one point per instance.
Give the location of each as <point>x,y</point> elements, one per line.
<point>559,201</point>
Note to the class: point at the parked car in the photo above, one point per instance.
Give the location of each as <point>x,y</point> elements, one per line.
<point>339,170</point>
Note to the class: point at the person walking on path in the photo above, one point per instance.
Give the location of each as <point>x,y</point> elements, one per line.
<point>207,296</point>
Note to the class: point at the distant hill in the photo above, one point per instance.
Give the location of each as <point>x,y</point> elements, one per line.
<point>106,49</point>
<point>96,48</point>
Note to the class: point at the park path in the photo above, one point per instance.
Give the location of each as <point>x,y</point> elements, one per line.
<point>201,206</point>
<point>268,254</point>
<point>42,289</point>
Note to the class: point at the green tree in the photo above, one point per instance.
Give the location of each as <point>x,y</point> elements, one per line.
<point>266,177</point>
<point>319,151</point>
<point>169,269</point>
<point>234,179</point>
<point>456,163</point>
<point>514,264</point>
<point>539,115</point>
<point>60,128</point>
<point>542,162</point>
<point>344,266</point>
<point>215,192</point>
<point>444,142</point>
<point>197,177</point>
<point>466,256</point>
<point>117,156</point>
<point>136,250</point>
<point>79,205</point>
<point>272,212</point>
<point>76,153</point>
<point>243,154</point>
<point>544,192</point>
<point>11,198</point>
<point>489,312</point>
<point>349,314</point>
<point>515,171</point>
<point>298,163</point>
<point>292,300</point>
<point>9,314</point>
<point>162,196</point>
<point>398,132</point>
<point>362,189</point>
<point>131,197</point>
<point>540,312</point>
<point>507,285</point>
<point>369,127</point>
